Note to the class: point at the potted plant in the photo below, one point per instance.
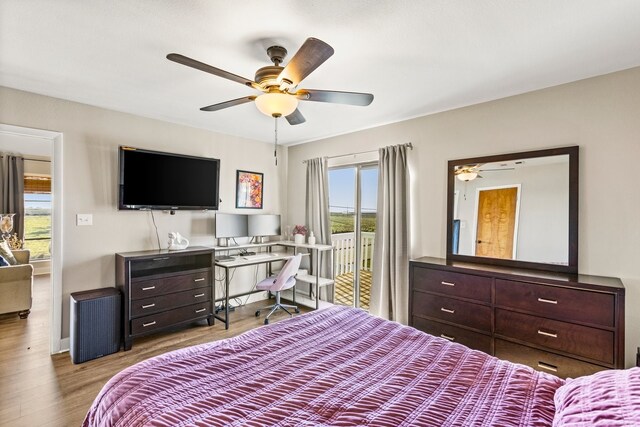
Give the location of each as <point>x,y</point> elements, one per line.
<point>299,233</point>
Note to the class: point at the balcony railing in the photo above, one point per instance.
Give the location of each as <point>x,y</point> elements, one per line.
<point>345,254</point>
<point>345,265</point>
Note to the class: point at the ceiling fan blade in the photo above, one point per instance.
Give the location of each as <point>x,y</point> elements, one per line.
<point>310,56</point>
<point>227,104</point>
<point>350,98</point>
<point>181,59</point>
<point>295,118</point>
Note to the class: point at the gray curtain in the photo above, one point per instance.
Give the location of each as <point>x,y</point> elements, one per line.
<point>317,214</point>
<point>390,284</point>
<point>12,190</point>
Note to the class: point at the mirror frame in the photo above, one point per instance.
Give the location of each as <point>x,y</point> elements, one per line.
<point>572,266</point>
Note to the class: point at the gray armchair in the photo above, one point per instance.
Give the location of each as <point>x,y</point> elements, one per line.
<point>16,284</point>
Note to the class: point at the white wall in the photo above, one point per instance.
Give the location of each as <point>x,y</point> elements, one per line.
<point>598,114</point>
<point>91,137</point>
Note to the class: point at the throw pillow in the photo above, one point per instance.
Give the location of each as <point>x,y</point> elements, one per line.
<point>6,253</point>
<point>3,262</point>
<point>608,398</point>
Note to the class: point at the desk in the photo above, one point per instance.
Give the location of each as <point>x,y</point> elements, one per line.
<point>314,278</point>
<point>239,261</point>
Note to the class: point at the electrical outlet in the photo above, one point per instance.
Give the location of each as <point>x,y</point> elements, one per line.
<point>84,219</point>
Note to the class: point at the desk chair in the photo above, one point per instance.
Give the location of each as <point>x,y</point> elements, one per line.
<point>285,279</point>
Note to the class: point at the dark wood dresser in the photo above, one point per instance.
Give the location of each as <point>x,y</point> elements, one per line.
<point>163,289</point>
<point>567,325</point>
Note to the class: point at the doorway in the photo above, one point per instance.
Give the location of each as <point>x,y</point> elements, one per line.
<point>41,144</point>
<point>353,194</point>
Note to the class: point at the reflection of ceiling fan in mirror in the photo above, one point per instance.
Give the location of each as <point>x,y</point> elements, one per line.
<point>470,172</point>
<point>279,84</point>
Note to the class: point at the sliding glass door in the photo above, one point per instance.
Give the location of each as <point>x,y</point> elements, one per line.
<point>352,201</point>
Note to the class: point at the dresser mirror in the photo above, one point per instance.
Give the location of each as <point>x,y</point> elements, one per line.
<point>517,209</point>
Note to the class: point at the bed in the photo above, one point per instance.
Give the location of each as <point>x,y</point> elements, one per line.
<point>333,367</point>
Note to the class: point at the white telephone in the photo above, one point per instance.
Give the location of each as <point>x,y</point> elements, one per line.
<point>177,241</point>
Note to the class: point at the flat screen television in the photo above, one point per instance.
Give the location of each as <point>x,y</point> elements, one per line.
<point>166,181</point>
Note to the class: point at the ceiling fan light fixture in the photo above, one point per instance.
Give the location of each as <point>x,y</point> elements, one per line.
<point>275,104</point>
<point>467,176</point>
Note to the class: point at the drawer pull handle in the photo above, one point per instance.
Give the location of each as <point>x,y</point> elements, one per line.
<point>548,334</point>
<point>199,280</point>
<point>201,310</point>
<point>446,310</point>
<point>148,306</point>
<point>144,325</point>
<point>548,301</point>
<point>148,288</point>
<point>547,366</point>
<point>448,283</point>
<point>198,295</point>
<point>161,259</point>
<point>447,337</point>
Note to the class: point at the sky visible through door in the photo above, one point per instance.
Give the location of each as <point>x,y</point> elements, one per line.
<point>342,199</point>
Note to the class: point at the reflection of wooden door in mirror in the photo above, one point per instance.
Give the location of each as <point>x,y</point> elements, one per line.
<point>496,222</point>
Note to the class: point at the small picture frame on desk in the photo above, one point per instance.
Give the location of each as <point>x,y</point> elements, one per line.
<point>249,189</point>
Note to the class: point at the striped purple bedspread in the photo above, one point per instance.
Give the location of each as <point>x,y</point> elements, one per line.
<point>333,367</point>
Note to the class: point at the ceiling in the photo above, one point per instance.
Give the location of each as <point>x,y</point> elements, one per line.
<point>416,56</point>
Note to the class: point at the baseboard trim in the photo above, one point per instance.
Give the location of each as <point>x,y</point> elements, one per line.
<point>65,345</point>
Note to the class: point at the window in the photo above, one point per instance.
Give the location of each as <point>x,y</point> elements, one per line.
<point>37,216</point>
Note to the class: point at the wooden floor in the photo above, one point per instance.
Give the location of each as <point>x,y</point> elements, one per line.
<point>37,389</point>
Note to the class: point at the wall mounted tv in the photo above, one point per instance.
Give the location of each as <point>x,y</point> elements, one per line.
<point>166,181</point>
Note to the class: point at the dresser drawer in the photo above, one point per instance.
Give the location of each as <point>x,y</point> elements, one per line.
<point>149,288</point>
<point>452,310</point>
<point>474,340</point>
<point>543,361</point>
<point>144,307</point>
<point>453,284</point>
<point>558,303</point>
<point>583,341</point>
<point>171,317</point>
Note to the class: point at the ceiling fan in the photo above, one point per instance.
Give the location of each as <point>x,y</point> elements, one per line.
<point>470,172</point>
<point>279,84</point>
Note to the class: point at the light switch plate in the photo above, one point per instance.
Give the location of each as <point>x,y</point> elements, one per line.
<point>84,219</point>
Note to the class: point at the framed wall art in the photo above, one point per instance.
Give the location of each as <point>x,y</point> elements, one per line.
<point>249,189</point>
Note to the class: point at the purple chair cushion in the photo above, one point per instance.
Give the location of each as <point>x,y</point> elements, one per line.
<point>608,398</point>
<point>269,283</point>
<point>285,278</point>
